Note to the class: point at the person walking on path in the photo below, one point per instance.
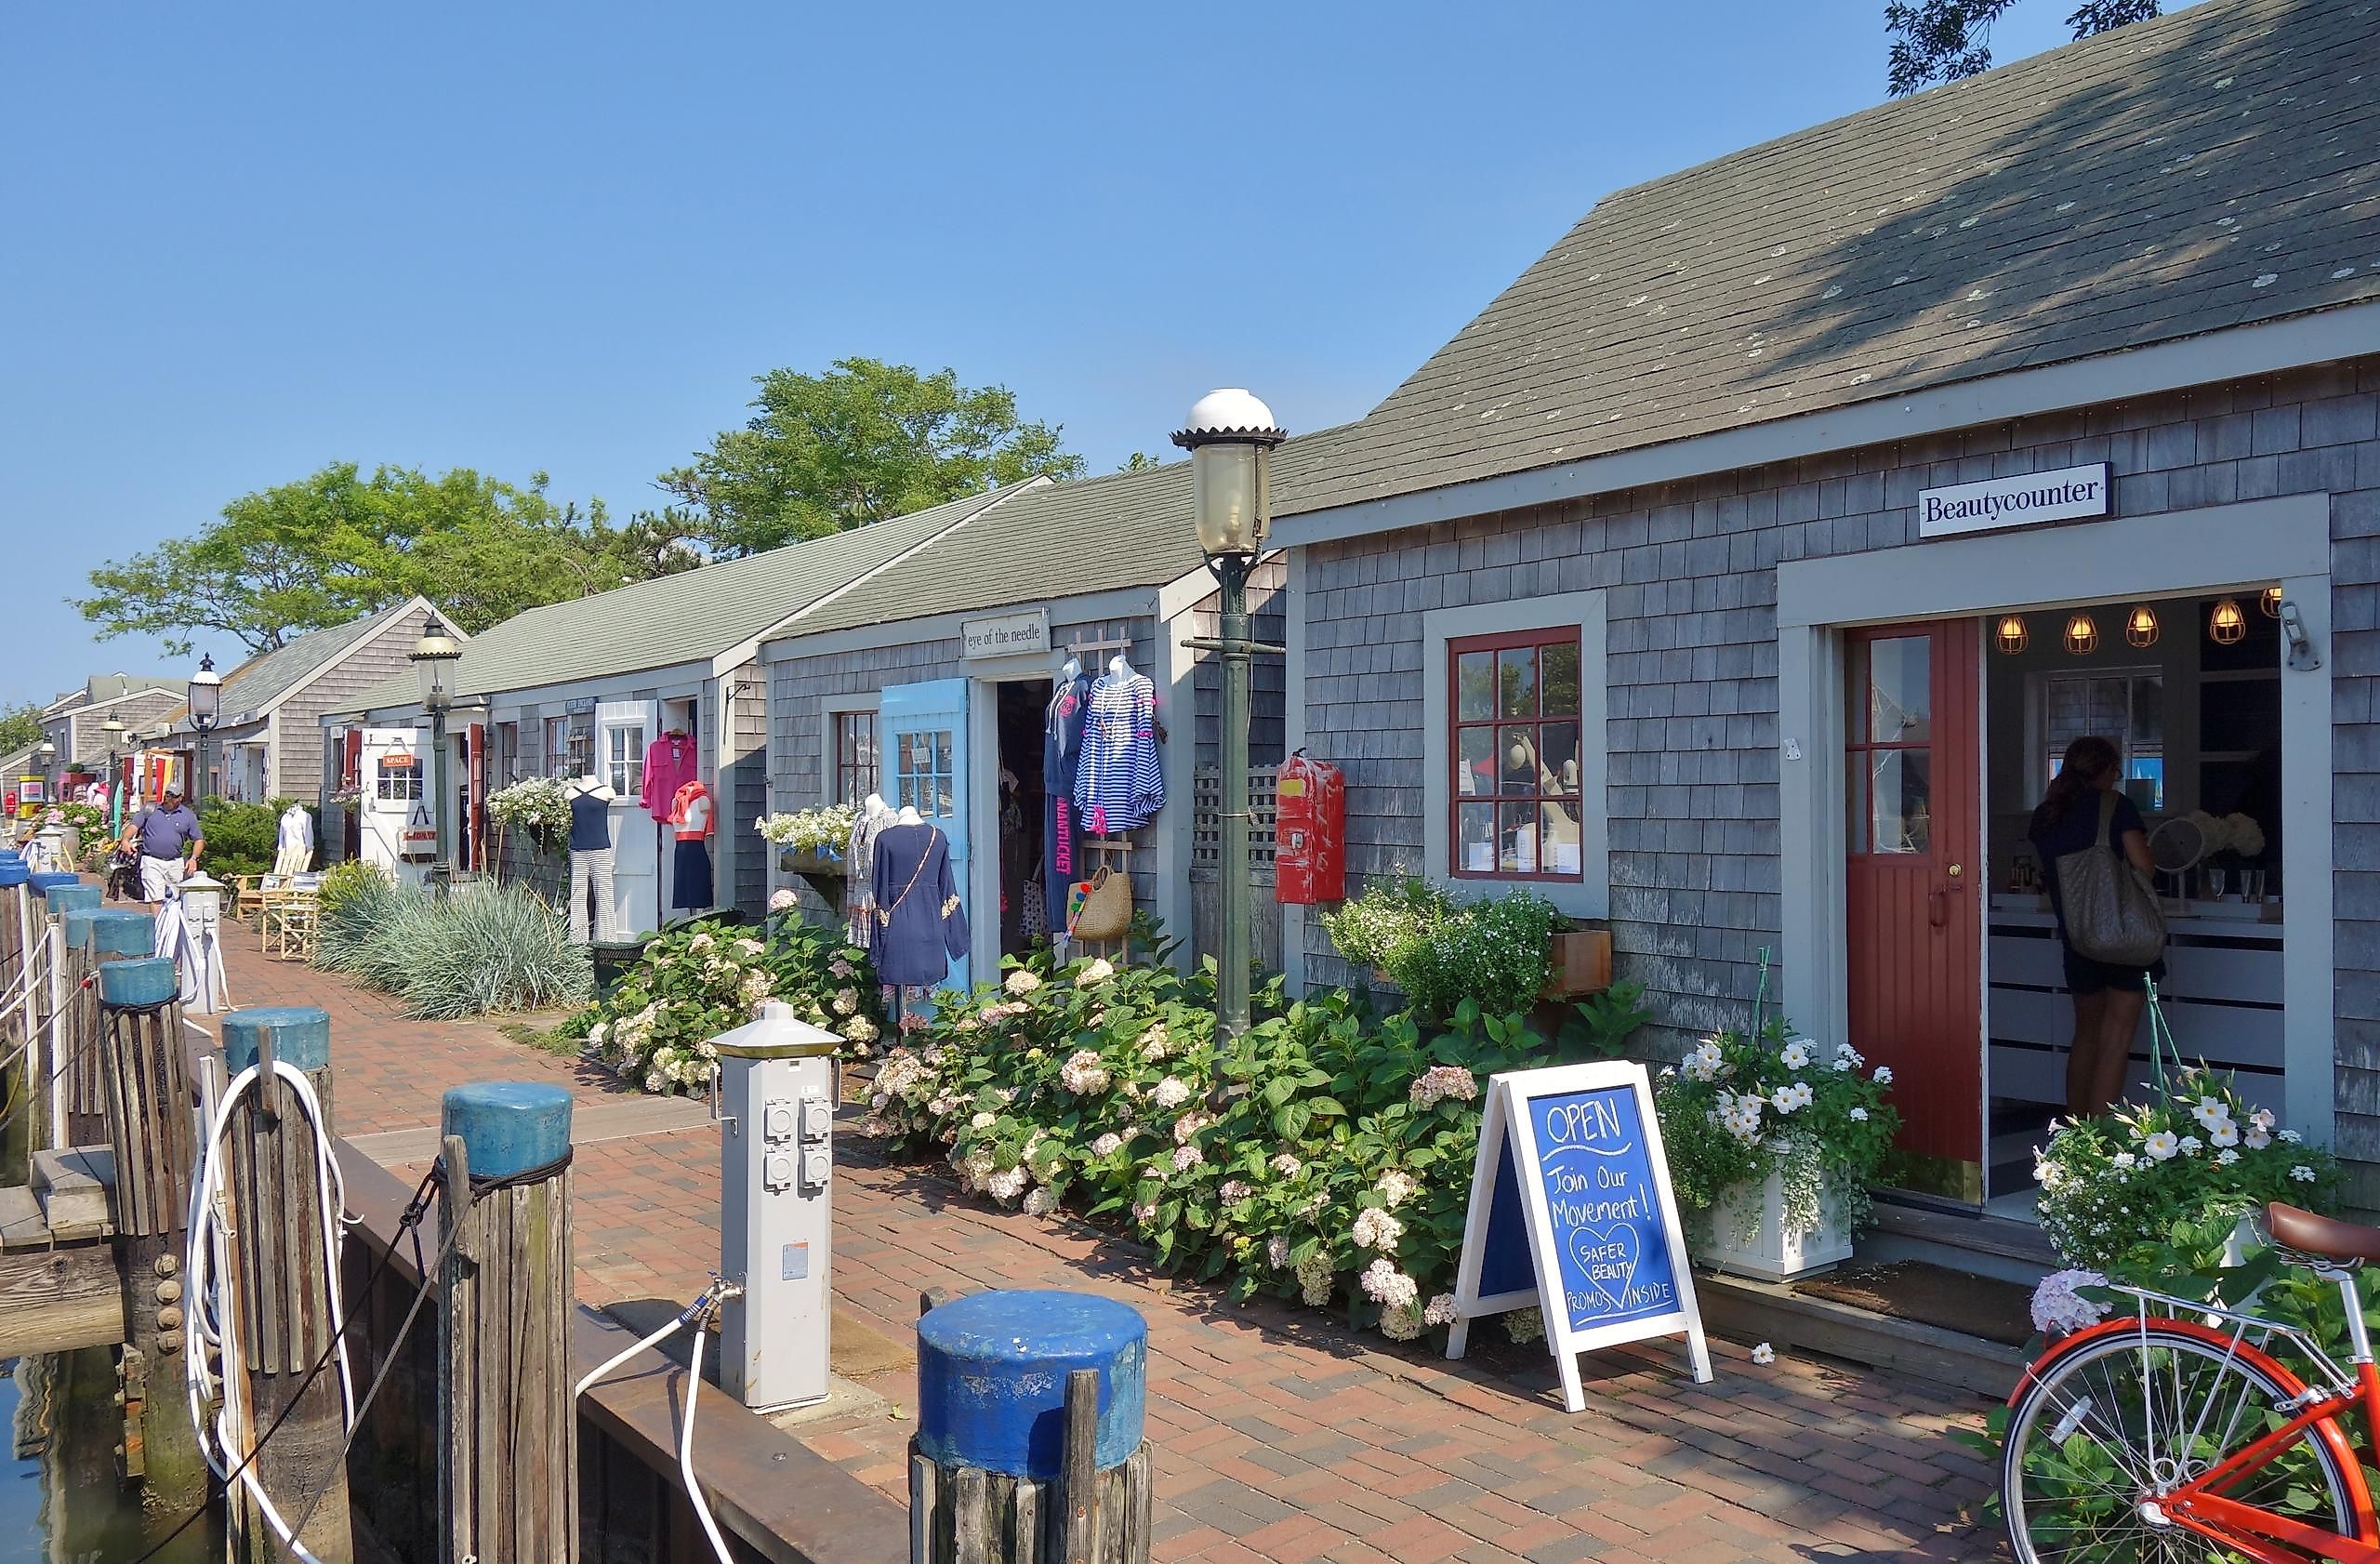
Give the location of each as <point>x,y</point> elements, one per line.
<point>170,842</point>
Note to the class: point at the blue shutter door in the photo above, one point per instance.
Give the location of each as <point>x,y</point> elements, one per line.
<point>923,764</point>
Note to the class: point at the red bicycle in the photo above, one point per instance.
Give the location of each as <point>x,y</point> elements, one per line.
<point>2175,1433</point>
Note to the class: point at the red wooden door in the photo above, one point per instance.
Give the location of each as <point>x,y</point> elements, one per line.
<point>1914,886</point>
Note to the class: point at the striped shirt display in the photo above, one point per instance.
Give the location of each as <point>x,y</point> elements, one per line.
<point>1117,781</point>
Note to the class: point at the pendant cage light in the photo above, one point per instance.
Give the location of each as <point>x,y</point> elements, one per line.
<point>2011,635</point>
<point>2140,626</point>
<point>2228,626</point>
<point>2082,635</point>
<point>2270,601</point>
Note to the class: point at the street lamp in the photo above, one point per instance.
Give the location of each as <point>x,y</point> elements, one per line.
<point>48,753</point>
<point>1230,436</point>
<point>206,707</point>
<point>434,659</point>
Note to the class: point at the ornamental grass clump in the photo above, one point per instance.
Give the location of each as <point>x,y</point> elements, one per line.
<point>478,950</point>
<point>657,1027</point>
<point>2118,1184</point>
<point>1324,1156</point>
<point>1745,1104</point>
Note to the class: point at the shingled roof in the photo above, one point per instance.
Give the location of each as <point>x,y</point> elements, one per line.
<point>2216,167</point>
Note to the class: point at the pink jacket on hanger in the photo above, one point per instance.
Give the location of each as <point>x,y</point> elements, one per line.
<point>669,764</point>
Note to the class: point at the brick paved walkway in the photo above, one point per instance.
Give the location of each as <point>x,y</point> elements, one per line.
<point>1279,1435</point>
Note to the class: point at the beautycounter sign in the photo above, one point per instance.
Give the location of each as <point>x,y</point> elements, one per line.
<point>2014,502</point>
<point>1571,1211</point>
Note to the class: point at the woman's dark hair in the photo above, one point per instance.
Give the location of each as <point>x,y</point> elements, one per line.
<point>2086,759</point>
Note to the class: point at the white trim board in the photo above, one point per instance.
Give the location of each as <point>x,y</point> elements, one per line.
<point>1125,603</point>
<point>1591,898</point>
<point>2221,548</point>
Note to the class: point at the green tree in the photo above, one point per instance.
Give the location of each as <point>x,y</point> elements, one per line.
<point>863,441</point>
<point>1139,461</point>
<point>320,551</point>
<point>1946,40</point>
<point>19,727</point>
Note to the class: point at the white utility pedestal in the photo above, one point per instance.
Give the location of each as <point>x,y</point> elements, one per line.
<point>776,1228</point>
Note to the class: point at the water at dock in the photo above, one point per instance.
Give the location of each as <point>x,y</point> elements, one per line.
<point>62,1502</point>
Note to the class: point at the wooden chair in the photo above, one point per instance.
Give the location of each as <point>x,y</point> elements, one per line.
<point>287,920</point>
<point>245,897</point>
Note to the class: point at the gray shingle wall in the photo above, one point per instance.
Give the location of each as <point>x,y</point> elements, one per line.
<point>296,763</point>
<point>1267,676</point>
<point>1691,728</point>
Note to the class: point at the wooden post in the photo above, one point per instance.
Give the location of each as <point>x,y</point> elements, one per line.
<point>274,1214</point>
<point>67,966</point>
<point>99,935</point>
<point>1016,1461</point>
<point>149,1111</point>
<point>508,1474</point>
<point>14,911</point>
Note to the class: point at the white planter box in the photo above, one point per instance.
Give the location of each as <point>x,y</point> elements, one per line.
<point>1771,1252</point>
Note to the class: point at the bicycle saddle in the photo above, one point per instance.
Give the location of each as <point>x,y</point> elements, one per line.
<point>2325,1236</point>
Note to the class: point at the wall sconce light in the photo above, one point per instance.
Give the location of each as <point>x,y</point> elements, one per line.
<point>2011,635</point>
<point>2140,626</point>
<point>2302,656</point>
<point>2270,601</point>
<point>2082,635</point>
<point>2226,625</point>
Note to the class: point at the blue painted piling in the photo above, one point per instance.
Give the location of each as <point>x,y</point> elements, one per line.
<point>992,1371</point>
<point>507,1126</point>
<point>302,1036</point>
<point>138,984</point>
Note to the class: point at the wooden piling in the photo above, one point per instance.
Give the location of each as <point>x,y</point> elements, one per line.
<point>508,1463</point>
<point>149,1115</point>
<point>274,1214</point>
<point>61,895</point>
<point>92,937</point>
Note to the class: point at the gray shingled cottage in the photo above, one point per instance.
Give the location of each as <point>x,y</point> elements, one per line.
<point>1739,574</point>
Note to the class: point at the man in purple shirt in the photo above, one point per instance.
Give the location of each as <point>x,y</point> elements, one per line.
<point>171,843</point>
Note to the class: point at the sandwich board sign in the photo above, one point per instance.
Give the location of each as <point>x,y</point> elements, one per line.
<point>1571,1211</point>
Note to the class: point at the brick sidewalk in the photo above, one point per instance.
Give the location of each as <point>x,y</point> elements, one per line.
<point>1280,1435</point>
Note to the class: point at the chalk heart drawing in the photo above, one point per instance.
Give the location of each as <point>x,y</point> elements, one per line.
<point>1585,1241</point>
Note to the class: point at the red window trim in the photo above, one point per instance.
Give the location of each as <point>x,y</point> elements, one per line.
<point>1500,641</point>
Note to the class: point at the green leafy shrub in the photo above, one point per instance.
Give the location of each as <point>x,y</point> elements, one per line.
<point>1325,1155</point>
<point>1441,951</point>
<point>241,836</point>
<point>1743,1105</point>
<point>2119,1183</point>
<point>478,950</point>
<point>347,879</point>
<point>703,978</point>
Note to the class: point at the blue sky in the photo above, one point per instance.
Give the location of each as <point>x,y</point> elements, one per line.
<point>244,241</point>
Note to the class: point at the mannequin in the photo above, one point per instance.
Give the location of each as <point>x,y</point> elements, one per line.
<point>1120,666</point>
<point>920,925</point>
<point>294,850</point>
<point>910,815</point>
<point>590,856</point>
<point>859,856</point>
<point>690,815</point>
<point>1118,783</point>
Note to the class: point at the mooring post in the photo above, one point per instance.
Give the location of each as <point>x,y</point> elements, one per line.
<point>16,913</point>
<point>1029,1445</point>
<point>148,1113</point>
<point>100,935</point>
<point>279,1272</point>
<point>67,967</point>
<point>507,1473</point>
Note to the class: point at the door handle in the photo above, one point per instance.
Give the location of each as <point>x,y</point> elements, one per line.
<point>1937,908</point>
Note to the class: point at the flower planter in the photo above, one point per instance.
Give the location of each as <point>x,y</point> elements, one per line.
<point>1749,1236</point>
<point>1576,964</point>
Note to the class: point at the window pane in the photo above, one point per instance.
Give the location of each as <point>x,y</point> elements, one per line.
<point>1560,661</point>
<point>1475,837</point>
<point>1516,681</point>
<point>1517,759</point>
<point>1899,690</point>
<point>1475,762</point>
<point>941,751</point>
<point>1558,836</point>
<point>1517,827</point>
<point>1900,802</point>
<point>1475,684</point>
<point>1558,747</point>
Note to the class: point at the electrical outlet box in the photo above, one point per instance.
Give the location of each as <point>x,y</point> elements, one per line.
<point>776,1120</point>
<point>818,1119</point>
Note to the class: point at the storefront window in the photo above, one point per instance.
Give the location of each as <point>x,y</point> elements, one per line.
<point>856,755</point>
<point>570,746</point>
<point>922,774</point>
<point>624,759</point>
<point>2124,708</point>
<point>1514,751</point>
<point>1889,760</point>
<point>398,779</point>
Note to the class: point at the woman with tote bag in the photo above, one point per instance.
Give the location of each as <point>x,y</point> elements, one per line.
<point>2095,846</point>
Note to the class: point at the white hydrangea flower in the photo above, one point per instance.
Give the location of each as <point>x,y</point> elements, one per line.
<point>1383,1283</point>
<point>1143,1213</point>
<point>1155,1043</point>
<point>1188,1125</point>
<point>1234,1190</point>
<point>1376,1229</point>
<point>1170,1093</point>
<point>1021,981</point>
<point>1286,1165</point>
<point>859,1028</point>
<point>1524,1326</point>
<point>1314,1278</point>
<point>1440,1310</point>
<point>1007,1185</point>
<point>1401,1324</point>
<point>1276,1252</point>
<point>2057,1308</point>
<point>1106,1144</point>
<point>1097,972</point>
<point>1041,1202</point>
<point>1082,1073</point>
<point>1187,1157</point>
<point>982,1121</point>
<point>1396,1187</point>
<point>782,901</point>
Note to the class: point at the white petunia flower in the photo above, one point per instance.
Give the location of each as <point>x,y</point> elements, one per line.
<point>2163,1146</point>
<point>1763,1353</point>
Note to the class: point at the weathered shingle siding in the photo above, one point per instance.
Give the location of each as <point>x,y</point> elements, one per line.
<point>90,744</point>
<point>744,780</point>
<point>295,767</point>
<point>1691,665</point>
<point>1267,676</point>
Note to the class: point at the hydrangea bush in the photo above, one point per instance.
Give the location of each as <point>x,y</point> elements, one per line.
<point>1745,1104</point>
<point>694,983</point>
<point>2197,1152</point>
<point>1326,1156</point>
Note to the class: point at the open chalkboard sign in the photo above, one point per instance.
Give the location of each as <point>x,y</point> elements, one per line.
<point>1571,1211</point>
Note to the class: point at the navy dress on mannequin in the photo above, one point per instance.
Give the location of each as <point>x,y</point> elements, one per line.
<point>1060,749</point>
<point>921,927</point>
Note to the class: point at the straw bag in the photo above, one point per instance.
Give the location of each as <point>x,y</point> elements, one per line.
<point>2112,913</point>
<point>1106,910</point>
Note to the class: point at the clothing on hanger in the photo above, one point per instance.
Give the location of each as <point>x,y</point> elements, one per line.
<point>920,925</point>
<point>690,811</point>
<point>859,889</point>
<point>1118,783</point>
<point>671,762</point>
<point>1060,749</point>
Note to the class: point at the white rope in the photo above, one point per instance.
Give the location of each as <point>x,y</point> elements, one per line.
<point>696,1313</point>
<point>26,980</point>
<point>213,1312</point>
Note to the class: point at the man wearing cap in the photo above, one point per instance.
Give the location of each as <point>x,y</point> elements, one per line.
<point>171,843</point>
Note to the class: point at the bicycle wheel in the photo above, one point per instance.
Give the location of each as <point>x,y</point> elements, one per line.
<point>2136,1413</point>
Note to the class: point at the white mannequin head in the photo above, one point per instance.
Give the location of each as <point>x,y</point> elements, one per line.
<point>1120,666</point>
<point>874,805</point>
<point>910,815</point>
<point>1069,671</point>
